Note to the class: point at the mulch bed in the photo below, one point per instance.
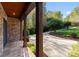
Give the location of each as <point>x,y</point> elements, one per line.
<point>62,36</point>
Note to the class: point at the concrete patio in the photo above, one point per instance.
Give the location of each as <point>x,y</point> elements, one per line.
<point>15,49</point>
<point>55,46</point>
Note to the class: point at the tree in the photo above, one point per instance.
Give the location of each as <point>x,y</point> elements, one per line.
<point>56,15</point>
<point>50,22</point>
<point>44,14</point>
<point>54,24</point>
<point>31,22</point>
<point>67,25</point>
<point>67,18</point>
<point>74,13</point>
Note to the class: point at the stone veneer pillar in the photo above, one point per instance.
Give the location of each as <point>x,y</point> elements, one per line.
<point>13,28</point>
<point>2,15</point>
<point>1,36</point>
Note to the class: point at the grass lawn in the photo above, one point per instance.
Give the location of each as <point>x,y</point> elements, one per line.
<point>32,47</point>
<point>69,32</point>
<point>74,52</point>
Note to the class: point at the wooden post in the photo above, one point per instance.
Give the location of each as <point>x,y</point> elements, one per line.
<point>21,34</point>
<point>24,33</point>
<point>39,29</point>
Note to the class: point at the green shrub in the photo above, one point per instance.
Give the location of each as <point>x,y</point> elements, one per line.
<point>32,31</point>
<point>74,35</point>
<point>46,29</point>
<point>54,24</point>
<point>75,50</point>
<point>66,35</point>
<point>67,24</point>
<point>32,47</point>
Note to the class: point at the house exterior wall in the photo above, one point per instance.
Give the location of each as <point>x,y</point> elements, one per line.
<point>13,28</point>
<point>2,16</point>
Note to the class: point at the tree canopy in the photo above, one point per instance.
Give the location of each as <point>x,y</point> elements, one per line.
<point>74,13</point>
<point>56,15</point>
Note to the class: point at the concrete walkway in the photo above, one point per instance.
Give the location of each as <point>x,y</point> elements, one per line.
<point>55,46</point>
<point>15,49</point>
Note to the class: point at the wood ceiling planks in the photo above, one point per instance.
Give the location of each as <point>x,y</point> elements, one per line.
<point>15,9</point>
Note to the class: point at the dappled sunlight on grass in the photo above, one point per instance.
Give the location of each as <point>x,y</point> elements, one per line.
<point>69,32</point>
<point>32,47</point>
<point>74,52</point>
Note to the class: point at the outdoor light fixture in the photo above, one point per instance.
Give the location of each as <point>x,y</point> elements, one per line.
<point>13,13</point>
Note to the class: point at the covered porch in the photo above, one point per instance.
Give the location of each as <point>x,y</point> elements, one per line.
<point>15,30</point>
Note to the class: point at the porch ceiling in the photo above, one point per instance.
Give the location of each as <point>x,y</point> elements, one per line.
<point>15,9</point>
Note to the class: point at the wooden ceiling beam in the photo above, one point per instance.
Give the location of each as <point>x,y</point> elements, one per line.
<point>30,8</point>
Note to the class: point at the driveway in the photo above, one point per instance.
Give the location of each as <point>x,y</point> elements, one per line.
<point>55,46</point>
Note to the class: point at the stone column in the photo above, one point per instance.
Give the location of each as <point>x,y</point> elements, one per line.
<point>1,36</point>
